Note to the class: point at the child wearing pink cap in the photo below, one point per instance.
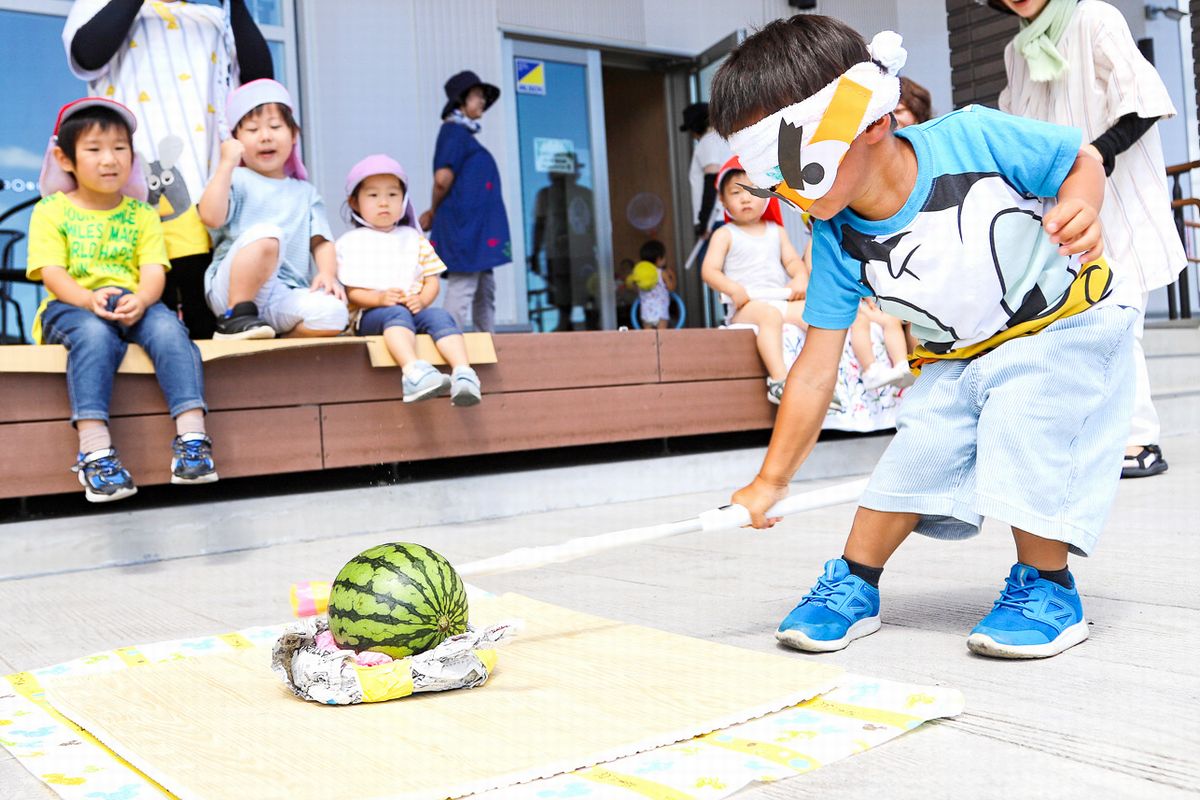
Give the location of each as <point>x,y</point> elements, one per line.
<point>99,250</point>
<point>274,270</point>
<point>390,272</point>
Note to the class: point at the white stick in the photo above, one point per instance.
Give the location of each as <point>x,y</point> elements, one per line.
<point>717,519</point>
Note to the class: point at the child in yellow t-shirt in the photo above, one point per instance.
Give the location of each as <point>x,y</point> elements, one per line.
<point>101,255</point>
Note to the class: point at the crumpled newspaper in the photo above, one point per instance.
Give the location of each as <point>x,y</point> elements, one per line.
<point>332,677</point>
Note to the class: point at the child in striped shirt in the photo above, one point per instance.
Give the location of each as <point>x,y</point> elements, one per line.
<point>390,272</point>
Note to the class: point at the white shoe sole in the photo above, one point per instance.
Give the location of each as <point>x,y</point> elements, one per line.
<point>984,645</point>
<point>261,332</point>
<point>796,639</point>
<point>424,394</point>
<point>108,498</point>
<point>209,478</point>
<point>465,399</point>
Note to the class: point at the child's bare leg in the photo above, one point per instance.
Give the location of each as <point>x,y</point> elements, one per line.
<point>875,535</point>
<point>860,342</point>
<point>1041,554</point>
<point>662,326</point>
<point>251,268</point>
<point>402,344</point>
<point>894,340</point>
<point>770,335</point>
<point>795,314</point>
<point>454,349</point>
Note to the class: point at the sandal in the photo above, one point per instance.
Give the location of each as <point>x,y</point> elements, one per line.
<point>1148,462</point>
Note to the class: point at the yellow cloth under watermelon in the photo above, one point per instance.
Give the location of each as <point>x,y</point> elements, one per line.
<point>644,276</point>
<point>395,680</point>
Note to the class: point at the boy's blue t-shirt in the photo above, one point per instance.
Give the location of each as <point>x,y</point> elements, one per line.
<point>965,257</point>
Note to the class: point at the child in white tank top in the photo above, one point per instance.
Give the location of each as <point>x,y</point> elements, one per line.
<point>760,276</point>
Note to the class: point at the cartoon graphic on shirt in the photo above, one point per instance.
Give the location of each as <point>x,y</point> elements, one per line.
<point>164,180</point>
<point>985,230</point>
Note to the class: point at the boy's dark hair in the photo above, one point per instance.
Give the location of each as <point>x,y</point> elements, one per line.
<point>83,121</point>
<point>652,251</point>
<point>785,62</point>
<point>258,111</point>
<point>727,176</point>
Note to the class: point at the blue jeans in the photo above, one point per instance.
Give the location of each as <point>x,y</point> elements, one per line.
<point>437,322</point>
<point>96,346</point>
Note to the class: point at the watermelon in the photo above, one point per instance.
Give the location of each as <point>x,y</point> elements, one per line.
<point>400,599</point>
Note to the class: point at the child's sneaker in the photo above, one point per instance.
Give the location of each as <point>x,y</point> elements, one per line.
<point>424,383</point>
<point>874,376</point>
<point>839,609</point>
<point>775,391</point>
<point>1034,618</point>
<point>191,460</point>
<point>242,322</point>
<point>464,387</point>
<point>103,477</point>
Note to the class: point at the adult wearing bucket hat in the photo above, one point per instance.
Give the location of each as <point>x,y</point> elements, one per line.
<point>174,63</point>
<point>466,219</point>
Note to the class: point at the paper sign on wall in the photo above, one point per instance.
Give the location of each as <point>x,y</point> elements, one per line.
<point>531,76</point>
<point>553,155</point>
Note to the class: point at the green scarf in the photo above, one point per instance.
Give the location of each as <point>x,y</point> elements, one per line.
<point>1038,40</point>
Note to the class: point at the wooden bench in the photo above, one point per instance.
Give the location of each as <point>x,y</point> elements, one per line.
<point>327,407</point>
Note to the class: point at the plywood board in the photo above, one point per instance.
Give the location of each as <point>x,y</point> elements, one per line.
<point>53,357</point>
<point>572,691</point>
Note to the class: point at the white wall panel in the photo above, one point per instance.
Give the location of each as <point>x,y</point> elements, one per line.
<point>868,17</point>
<point>375,70</point>
<point>690,26</point>
<point>617,20</point>
<point>922,23</point>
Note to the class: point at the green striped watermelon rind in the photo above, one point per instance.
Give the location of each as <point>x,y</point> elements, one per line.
<point>399,599</point>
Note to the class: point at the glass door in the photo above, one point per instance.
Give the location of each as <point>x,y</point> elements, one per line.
<point>34,83</point>
<point>566,228</point>
<point>688,83</point>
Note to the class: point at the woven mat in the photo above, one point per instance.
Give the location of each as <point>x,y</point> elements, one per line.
<point>574,691</point>
<point>53,357</point>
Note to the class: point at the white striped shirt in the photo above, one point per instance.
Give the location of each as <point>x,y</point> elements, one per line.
<point>171,71</point>
<point>1107,78</point>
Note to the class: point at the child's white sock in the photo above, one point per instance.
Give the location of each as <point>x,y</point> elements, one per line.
<point>94,438</point>
<point>190,422</point>
<point>462,369</point>
<point>412,369</point>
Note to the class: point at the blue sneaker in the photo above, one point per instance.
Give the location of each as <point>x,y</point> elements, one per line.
<point>1034,618</point>
<point>103,477</point>
<point>839,609</point>
<point>192,460</point>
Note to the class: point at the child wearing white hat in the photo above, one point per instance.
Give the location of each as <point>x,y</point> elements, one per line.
<point>390,272</point>
<point>274,270</point>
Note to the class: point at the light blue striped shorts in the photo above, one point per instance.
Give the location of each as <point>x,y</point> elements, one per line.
<point>1031,434</point>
